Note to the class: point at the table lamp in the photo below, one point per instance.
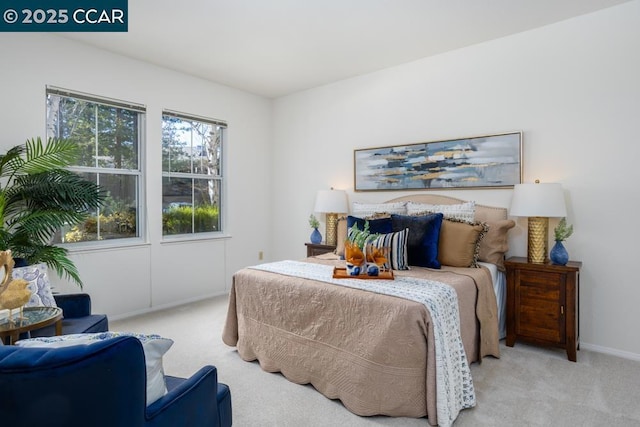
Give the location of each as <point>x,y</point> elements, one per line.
<point>332,202</point>
<point>539,202</point>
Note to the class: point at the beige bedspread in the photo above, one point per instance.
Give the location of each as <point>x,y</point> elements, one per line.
<point>373,352</point>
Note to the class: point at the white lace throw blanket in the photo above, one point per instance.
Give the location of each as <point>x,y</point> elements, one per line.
<point>453,376</point>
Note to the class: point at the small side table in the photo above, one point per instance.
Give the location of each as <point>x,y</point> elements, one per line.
<point>314,249</point>
<point>33,318</point>
<point>543,304</point>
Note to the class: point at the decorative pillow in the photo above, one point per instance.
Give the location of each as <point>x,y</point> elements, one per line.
<point>464,211</point>
<point>460,243</point>
<point>344,225</point>
<point>154,347</point>
<point>397,244</point>
<point>376,226</point>
<point>494,245</point>
<point>422,242</point>
<point>341,236</point>
<point>39,284</point>
<point>363,210</point>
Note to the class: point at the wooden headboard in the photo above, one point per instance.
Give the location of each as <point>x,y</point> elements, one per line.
<point>483,212</point>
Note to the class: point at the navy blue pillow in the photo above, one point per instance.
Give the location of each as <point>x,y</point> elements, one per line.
<point>380,225</point>
<point>424,234</point>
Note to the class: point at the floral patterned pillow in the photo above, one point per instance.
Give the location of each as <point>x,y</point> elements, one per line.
<point>39,284</point>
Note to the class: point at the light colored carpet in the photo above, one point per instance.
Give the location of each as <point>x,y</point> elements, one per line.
<point>527,386</point>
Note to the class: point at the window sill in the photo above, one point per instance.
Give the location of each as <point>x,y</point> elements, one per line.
<point>103,245</point>
<point>168,240</point>
<point>119,244</point>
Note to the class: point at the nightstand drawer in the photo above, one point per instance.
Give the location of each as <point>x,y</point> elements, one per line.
<point>314,249</point>
<point>541,285</point>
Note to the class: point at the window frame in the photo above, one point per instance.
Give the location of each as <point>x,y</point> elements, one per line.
<point>220,178</point>
<point>140,172</point>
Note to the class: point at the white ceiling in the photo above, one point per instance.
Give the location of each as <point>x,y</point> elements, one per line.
<point>277,47</point>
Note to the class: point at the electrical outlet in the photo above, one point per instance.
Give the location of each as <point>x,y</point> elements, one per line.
<point>260,256</point>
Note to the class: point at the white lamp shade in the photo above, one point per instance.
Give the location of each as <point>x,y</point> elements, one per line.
<point>545,200</point>
<point>331,201</point>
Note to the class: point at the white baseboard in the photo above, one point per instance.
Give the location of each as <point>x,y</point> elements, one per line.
<point>165,306</point>
<point>611,351</point>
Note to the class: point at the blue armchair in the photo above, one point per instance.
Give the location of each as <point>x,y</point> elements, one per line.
<point>102,385</point>
<point>77,317</point>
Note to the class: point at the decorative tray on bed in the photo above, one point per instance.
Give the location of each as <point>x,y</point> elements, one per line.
<point>341,273</point>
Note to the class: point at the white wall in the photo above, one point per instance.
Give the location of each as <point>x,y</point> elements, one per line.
<point>573,88</point>
<point>155,274</point>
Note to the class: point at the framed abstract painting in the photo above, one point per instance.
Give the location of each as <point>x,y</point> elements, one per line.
<point>491,161</point>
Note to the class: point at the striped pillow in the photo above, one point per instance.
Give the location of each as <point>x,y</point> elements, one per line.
<point>397,243</point>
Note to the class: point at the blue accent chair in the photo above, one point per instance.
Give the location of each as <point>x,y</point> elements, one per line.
<point>102,385</point>
<point>77,317</point>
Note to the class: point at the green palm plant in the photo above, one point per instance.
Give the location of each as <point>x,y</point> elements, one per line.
<point>38,196</point>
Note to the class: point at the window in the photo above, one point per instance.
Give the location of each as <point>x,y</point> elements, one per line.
<point>191,174</point>
<point>109,134</point>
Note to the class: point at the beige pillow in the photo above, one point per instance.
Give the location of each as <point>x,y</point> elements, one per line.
<point>341,236</point>
<point>459,243</point>
<point>494,245</point>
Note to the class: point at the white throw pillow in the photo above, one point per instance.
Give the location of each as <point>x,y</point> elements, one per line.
<point>39,284</point>
<point>364,210</point>
<point>463,211</point>
<point>154,347</point>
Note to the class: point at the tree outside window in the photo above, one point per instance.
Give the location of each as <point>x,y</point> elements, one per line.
<point>191,174</point>
<point>109,136</point>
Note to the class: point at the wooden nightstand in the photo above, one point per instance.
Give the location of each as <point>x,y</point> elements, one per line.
<point>314,249</point>
<point>543,304</point>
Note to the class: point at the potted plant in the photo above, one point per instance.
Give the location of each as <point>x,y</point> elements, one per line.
<point>37,197</point>
<point>316,237</point>
<point>562,232</point>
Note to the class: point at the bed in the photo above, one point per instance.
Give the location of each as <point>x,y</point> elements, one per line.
<point>375,352</point>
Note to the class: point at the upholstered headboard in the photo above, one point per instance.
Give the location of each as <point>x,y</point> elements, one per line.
<point>483,213</point>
